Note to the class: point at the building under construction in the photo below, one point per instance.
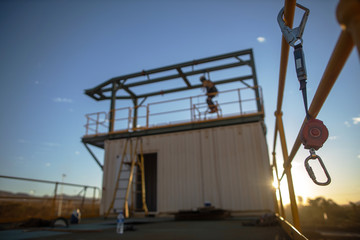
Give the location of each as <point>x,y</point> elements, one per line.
<point>167,153</point>
<point>175,154</point>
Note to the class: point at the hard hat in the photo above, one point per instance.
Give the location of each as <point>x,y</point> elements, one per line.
<point>202,78</point>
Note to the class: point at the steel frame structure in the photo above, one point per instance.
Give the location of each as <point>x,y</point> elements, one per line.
<point>109,90</point>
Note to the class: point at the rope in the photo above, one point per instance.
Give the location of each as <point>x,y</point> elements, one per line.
<point>301,74</point>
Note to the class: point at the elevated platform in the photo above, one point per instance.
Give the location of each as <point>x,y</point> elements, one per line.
<point>236,106</point>
<point>99,139</point>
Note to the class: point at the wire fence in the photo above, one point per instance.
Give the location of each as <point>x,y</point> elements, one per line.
<point>45,199</point>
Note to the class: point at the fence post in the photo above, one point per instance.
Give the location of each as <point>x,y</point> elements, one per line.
<point>54,200</point>
<point>83,199</point>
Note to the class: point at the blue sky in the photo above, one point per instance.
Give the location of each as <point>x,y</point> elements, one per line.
<point>50,51</point>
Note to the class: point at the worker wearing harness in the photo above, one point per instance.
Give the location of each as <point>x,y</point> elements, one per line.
<point>211,91</point>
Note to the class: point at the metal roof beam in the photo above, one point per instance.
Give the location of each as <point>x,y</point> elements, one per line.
<point>171,67</point>
<point>241,79</point>
<point>200,71</point>
<point>183,76</point>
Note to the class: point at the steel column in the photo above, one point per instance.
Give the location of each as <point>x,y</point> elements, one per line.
<point>112,107</point>
<point>287,170</point>
<point>134,123</point>
<point>255,83</point>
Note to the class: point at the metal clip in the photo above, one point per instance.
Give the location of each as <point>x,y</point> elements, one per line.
<point>292,36</point>
<point>311,173</point>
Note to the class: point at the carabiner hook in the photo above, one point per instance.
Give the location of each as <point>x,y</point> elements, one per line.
<point>292,36</point>
<point>311,173</point>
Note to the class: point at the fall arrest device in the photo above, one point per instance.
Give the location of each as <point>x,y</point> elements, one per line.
<point>314,133</point>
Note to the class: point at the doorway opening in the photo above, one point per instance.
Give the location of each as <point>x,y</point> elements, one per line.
<point>150,170</point>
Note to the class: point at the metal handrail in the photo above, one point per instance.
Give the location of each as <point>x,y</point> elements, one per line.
<point>130,119</point>
<point>95,122</point>
<point>173,111</point>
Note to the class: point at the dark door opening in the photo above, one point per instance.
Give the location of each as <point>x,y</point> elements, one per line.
<point>150,166</point>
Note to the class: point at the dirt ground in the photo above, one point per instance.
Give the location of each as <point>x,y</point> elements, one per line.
<point>154,229</point>
<point>168,228</point>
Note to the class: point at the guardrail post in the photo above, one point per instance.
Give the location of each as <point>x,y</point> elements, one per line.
<point>112,108</point>
<point>135,101</point>
<point>94,193</point>
<point>87,125</point>
<point>54,200</point>
<point>83,199</point>
<point>97,122</point>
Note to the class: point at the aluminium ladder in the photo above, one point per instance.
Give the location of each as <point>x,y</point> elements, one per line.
<point>125,183</point>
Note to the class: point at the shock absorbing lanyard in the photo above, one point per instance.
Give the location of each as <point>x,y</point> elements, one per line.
<point>301,74</point>
<point>314,133</point>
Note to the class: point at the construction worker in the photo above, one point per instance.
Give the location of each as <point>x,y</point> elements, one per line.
<point>75,217</point>
<point>211,91</point>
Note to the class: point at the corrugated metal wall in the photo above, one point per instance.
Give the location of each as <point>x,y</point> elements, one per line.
<point>227,166</point>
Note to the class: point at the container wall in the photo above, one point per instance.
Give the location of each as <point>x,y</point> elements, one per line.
<point>226,166</point>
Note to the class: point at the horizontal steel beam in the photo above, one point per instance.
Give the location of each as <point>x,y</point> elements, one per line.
<point>171,67</point>
<point>97,92</point>
<point>195,86</point>
<point>200,71</point>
